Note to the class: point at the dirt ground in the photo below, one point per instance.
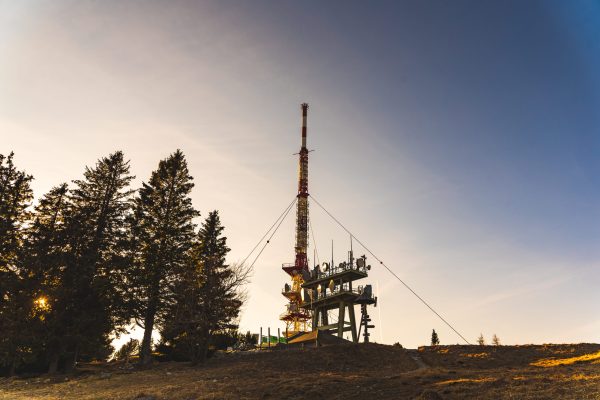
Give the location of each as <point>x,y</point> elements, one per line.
<point>362,371</point>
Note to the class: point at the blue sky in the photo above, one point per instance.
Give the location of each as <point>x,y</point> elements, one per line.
<point>459,140</point>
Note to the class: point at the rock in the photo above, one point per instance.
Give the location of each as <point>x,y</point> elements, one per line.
<point>105,375</point>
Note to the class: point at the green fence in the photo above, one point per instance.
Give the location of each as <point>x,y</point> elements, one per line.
<point>271,339</point>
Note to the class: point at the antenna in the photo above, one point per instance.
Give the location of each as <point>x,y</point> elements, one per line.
<point>351,253</point>
<point>332,264</point>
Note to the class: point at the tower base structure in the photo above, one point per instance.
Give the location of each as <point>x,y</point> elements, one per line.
<point>331,297</point>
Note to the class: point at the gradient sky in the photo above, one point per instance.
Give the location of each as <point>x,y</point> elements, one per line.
<point>459,140</point>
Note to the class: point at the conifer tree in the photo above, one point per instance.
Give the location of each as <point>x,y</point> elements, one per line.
<point>481,340</point>
<point>495,340</point>
<point>90,308</point>
<point>162,233</point>
<point>435,340</point>
<point>209,297</point>
<point>45,261</point>
<point>15,199</point>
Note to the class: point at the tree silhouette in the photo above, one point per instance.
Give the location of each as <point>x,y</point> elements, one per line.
<point>208,297</point>
<point>162,233</point>
<point>90,258</point>
<point>481,340</point>
<point>495,340</point>
<point>47,251</point>
<point>435,340</point>
<point>15,198</point>
<point>91,306</point>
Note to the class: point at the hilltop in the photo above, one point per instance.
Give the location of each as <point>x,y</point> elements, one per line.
<point>340,372</point>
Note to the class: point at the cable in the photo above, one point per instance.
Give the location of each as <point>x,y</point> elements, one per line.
<point>273,234</point>
<point>267,232</point>
<point>390,271</point>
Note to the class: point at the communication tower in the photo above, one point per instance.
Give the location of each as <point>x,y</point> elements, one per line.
<point>323,298</point>
<point>295,317</point>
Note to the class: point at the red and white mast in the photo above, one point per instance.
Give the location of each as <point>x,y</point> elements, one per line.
<point>295,317</point>
<point>302,202</point>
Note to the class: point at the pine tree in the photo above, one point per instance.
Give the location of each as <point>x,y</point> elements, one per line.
<point>495,340</point>
<point>435,340</point>
<point>90,307</point>
<point>15,199</point>
<point>162,233</point>
<point>46,260</point>
<point>209,297</point>
<point>481,340</point>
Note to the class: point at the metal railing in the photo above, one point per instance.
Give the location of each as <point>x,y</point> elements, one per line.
<point>317,296</point>
<point>318,273</point>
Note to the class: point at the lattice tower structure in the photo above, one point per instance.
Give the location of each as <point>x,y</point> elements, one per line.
<point>295,317</point>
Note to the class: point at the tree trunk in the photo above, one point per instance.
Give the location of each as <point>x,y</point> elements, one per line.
<point>202,350</point>
<point>53,367</point>
<point>12,368</point>
<point>199,353</point>
<point>72,363</point>
<point>146,350</point>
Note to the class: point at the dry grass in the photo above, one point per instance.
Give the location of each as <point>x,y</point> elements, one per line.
<point>465,380</point>
<point>337,372</point>
<point>476,355</point>
<point>555,362</point>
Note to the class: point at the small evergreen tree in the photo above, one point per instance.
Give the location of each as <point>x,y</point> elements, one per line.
<point>481,340</point>
<point>250,339</point>
<point>435,340</point>
<point>209,296</point>
<point>495,340</point>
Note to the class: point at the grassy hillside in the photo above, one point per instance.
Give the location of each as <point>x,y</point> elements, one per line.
<point>341,372</point>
